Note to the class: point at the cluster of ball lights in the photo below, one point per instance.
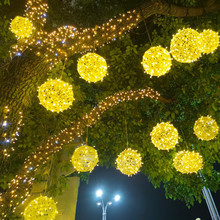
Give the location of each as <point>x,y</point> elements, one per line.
<point>156,61</point>
<point>129,162</point>
<point>188,162</point>
<point>188,44</point>
<point>164,136</point>
<point>85,158</point>
<point>21,27</point>
<point>56,95</point>
<point>41,208</point>
<point>206,128</point>
<point>92,67</point>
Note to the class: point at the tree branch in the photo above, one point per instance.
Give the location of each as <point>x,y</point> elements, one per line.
<point>117,26</point>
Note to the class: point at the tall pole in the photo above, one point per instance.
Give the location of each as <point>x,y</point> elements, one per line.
<point>103,215</point>
<point>104,210</point>
<point>210,203</point>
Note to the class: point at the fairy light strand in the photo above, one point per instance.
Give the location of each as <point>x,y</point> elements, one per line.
<point>67,40</point>
<point>9,132</point>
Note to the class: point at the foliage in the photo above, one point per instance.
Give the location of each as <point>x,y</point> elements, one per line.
<point>87,13</point>
<point>194,89</point>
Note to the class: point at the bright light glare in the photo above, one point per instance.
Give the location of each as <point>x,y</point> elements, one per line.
<point>109,203</point>
<point>99,193</point>
<point>117,198</point>
<point>98,203</point>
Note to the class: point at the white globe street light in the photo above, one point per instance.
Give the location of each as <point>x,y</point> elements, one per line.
<point>117,198</point>
<point>99,193</point>
<point>104,206</point>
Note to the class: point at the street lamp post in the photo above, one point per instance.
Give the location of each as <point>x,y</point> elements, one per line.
<point>103,205</point>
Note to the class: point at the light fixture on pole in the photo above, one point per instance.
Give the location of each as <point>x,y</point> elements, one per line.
<point>104,206</point>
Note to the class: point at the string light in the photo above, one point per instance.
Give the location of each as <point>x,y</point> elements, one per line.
<point>164,136</point>
<point>92,67</point>
<point>156,61</point>
<point>206,128</point>
<point>36,11</point>
<point>42,207</point>
<point>67,40</point>
<point>188,162</point>
<point>9,137</point>
<point>56,95</point>
<point>85,158</point>
<point>19,187</point>
<point>186,45</point>
<point>21,27</point>
<point>129,162</point>
<point>210,41</point>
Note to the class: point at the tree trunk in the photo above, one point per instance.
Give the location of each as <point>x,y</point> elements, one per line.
<point>18,85</point>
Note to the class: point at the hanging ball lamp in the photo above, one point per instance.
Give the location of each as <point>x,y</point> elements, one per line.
<point>21,27</point>
<point>92,67</point>
<point>129,162</point>
<point>210,41</point>
<point>85,158</point>
<point>41,208</point>
<point>156,61</point>
<point>164,136</point>
<point>206,128</point>
<point>188,162</point>
<point>186,45</point>
<point>56,95</point>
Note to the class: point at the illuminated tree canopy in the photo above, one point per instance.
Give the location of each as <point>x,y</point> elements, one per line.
<point>101,111</point>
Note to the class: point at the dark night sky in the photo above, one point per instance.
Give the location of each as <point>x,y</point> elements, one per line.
<point>139,199</point>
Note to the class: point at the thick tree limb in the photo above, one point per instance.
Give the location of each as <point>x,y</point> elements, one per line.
<point>164,8</point>
<point>105,33</point>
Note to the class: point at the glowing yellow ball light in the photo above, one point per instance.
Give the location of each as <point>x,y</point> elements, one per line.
<point>92,67</point>
<point>188,162</point>
<point>56,95</point>
<point>206,128</point>
<point>41,208</point>
<point>129,162</point>
<point>210,41</point>
<point>186,45</point>
<point>156,61</point>
<point>85,158</point>
<point>21,27</point>
<point>164,136</point>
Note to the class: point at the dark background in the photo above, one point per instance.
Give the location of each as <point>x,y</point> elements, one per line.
<point>139,199</point>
